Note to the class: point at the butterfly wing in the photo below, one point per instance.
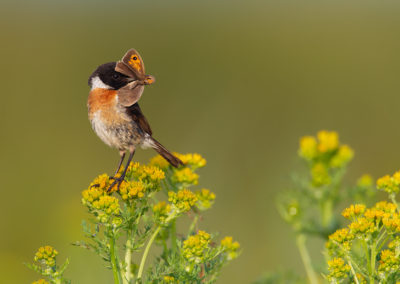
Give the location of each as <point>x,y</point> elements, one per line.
<point>131,65</point>
<point>130,94</point>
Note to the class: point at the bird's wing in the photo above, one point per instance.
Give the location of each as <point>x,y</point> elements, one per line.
<point>136,113</point>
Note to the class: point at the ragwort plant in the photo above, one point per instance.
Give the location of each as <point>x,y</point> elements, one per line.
<point>310,206</point>
<point>126,222</point>
<point>368,249</point>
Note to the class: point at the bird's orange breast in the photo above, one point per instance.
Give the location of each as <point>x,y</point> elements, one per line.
<point>104,102</point>
<point>101,99</point>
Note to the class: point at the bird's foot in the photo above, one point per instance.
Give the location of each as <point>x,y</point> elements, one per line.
<point>117,182</point>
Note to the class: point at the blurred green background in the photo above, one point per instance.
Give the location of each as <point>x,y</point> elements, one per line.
<point>237,81</point>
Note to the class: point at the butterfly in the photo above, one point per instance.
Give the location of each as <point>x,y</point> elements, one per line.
<point>132,65</point>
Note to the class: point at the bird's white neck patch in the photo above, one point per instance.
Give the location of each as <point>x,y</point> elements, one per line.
<point>97,83</point>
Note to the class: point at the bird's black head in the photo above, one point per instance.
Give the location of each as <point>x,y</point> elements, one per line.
<point>106,77</point>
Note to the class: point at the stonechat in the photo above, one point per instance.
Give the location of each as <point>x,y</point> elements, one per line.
<point>114,112</point>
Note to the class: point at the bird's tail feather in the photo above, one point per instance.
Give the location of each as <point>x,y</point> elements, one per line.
<point>174,161</point>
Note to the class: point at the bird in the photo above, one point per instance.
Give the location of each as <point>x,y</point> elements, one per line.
<point>114,112</point>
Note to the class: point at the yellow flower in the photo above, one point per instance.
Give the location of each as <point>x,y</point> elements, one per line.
<point>353,211</point>
<point>150,173</point>
<point>169,279</point>
<point>341,236</point>
<point>196,246</point>
<point>230,247</point>
<point>47,255</point>
<point>159,161</point>
<point>195,160</point>
<point>338,269</point>
<point>340,241</point>
<point>205,199</point>
<point>392,223</point>
<point>185,176</point>
<point>390,184</point>
<point>308,147</point>
<point>91,194</point>
<point>105,208</point>
<point>342,157</point>
<point>365,181</point>
<point>40,281</point>
<point>320,175</point>
<point>161,211</point>
<point>101,182</point>
<point>362,226</point>
<point>182,200</point>
<point>132,190</point>
<point>387,207</point>
<point>328,141</point>
<point>389,261</point>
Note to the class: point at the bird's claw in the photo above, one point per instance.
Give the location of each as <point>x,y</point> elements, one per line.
<point>117,181</point>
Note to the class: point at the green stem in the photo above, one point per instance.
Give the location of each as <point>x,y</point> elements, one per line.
<point>326,213</point>
<point>392,197</point>
<point>128,260</point>
<point>173,236</point>
<point>372,267</point>
<point>301,244</point>
<point>114,261</point>
<point>193,225</point>
<point>146,252</point>
<point>353,271</point>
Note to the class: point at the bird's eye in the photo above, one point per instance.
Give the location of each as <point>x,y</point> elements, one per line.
<point>115,76</point>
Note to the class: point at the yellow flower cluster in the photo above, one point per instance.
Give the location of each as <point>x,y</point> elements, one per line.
<point>196,246</point>
<point>97,199</point>
<point>328,141</point>
<point>46,254</point>
<point>150,176</point>
<point>169,280</point>
<point>107,204</point>
<point>161,211</point>
<point>366,223</point>
<point>320,175</point>
<point>41,281</point>
<point>230,247</point>
<point>353,211</point>
<point>150,173</point>
<point>389,262</point>
<point>185,176</point>
<point>182,200</point>
<point>390,184</point>
<point>101,182</point>
<point>326,149</point>
<point>338,269</point>
<point>159,161</point>
<point>344,155</point>
<point>340,240</point>
<point>308,147</point>
<point>205,199</point>
<point>365,181</point>
<point>92,194</point>
<point>195,160</point>
<point>132,190</point>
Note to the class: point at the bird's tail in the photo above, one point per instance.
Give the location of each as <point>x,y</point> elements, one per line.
<point>174,161</point>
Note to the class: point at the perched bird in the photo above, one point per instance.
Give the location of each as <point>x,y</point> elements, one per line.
<point>114,111</point>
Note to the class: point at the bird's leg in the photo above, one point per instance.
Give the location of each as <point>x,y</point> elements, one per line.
<point>122,154</point>
<point>117,181</point>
